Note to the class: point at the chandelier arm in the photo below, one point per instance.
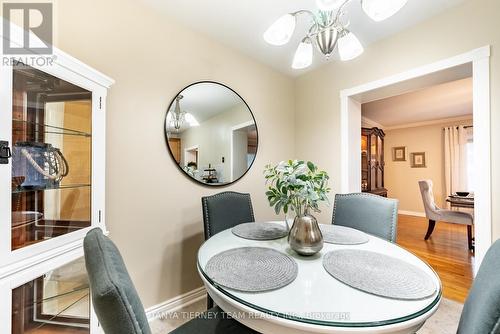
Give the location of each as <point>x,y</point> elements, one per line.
<point>340,10</point>
<point>310,14</point>
<point>304,11</point>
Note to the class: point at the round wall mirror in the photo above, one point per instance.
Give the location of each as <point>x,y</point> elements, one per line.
<point>211,133</point>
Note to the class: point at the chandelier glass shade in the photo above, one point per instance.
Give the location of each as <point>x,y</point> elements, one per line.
<point>349,46</point>
<point>304,55</point>
<point>379,10</point>
<point>280,32</point>
<point>328,30</point>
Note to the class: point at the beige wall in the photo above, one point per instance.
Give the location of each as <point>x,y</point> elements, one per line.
<point>401,180</point>
<point>153,211</point>
<point>471,25</point>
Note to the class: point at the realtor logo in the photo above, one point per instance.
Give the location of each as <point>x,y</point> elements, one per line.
<point>35,19</point>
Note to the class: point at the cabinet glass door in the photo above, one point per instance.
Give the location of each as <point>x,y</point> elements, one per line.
<point>51,157</point>
<point>373,162</point>
<point>57,302</point>
<point>380,163</point>
<point>364,162</point>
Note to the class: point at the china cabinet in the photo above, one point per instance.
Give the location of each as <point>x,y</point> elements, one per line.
<point>372,161</point>
<point>52,126</point>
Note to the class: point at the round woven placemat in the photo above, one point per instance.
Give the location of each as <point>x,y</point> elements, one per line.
<point>252,269</point>
<point>260,231</point>
<point>379,274</point>
<point>341,235</point>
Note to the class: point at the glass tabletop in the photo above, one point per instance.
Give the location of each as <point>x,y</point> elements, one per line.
<point>317,298</point>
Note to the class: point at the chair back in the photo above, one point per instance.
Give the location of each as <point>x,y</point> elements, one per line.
<point>481,312</point>
<point>114,297</point>
<point>225,210</point>
<point>428,197</point>
<point>370,213</point>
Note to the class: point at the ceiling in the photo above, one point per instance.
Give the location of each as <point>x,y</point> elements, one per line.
<point>443,101</point>
<point>240,24</point>
<point>205,100</point>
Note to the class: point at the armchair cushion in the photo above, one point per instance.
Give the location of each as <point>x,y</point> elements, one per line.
<point>457,217</point>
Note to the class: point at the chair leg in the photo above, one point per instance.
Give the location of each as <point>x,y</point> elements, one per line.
<point>432,223</point>
<point>210,302</point>
<point>470,237</point>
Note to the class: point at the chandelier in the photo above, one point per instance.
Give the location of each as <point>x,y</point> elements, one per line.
<point>328,30</point>
<point>178,116</point>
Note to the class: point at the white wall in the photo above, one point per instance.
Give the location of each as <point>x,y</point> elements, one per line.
<point>240,152</point>
<point>213,138</point>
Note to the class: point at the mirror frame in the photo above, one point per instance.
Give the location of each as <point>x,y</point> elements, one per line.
<point>172,155</point>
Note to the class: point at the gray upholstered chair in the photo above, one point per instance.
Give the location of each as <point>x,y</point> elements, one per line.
<point>225,210</point>
<point>435,214</point>
<point>370,213</point>
<point>481,312</point>
<point>222,211</point>
<point>117,303</point>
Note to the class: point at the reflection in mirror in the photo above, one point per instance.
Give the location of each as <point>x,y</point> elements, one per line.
<point>211,133</point>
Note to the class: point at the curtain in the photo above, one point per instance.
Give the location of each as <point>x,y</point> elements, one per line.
<point>455,159</point>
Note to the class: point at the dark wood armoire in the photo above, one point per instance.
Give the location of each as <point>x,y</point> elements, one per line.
<point>372,161</point>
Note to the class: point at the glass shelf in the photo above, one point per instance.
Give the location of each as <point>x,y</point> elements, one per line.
<point>69,186</point>
<point>52,129</point>
<point>67,293</point>
<point>56,302</point>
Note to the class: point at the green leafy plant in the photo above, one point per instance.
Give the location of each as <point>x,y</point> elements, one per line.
<point>296,185</point>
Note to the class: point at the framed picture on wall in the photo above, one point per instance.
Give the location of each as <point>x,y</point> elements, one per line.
<point>418,160</point>
<point>399,153</point>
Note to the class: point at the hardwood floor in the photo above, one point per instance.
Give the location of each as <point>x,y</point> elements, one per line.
<point>446,251</point>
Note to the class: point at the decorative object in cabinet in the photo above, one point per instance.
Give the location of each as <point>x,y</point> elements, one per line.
<point>372,161</point>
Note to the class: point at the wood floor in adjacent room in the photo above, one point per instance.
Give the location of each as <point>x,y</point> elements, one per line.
<point>446,251</point>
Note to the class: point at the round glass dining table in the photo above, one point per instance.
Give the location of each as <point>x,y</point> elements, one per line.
<point>315,302</point>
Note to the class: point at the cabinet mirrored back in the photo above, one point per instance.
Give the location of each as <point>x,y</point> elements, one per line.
<point>211,133</point>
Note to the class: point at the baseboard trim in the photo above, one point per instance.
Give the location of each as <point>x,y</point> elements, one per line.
<point>411,213</point>
<point>175,303</point>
